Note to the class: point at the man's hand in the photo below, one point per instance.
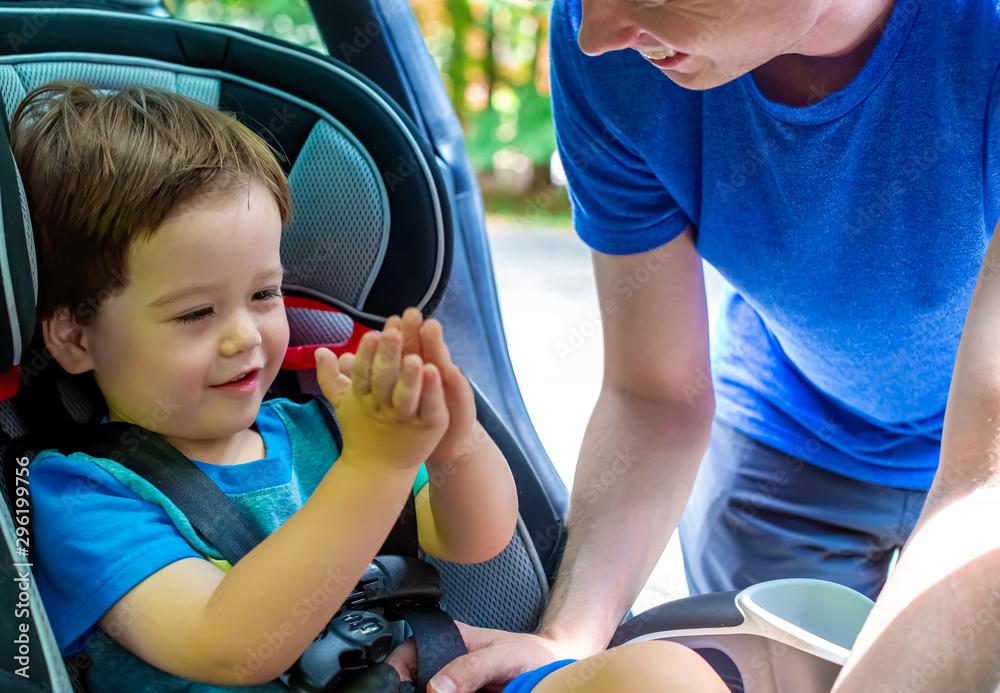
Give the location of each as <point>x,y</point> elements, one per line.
<point>495,659</point>
<point>424,338</point>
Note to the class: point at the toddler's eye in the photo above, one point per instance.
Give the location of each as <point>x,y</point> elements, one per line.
<point>267,294</point>
<point>197,315</point>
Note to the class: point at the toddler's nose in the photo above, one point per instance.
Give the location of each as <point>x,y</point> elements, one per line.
<point>243,335</point>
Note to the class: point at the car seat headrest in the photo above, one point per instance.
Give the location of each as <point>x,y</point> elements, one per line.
<point>18,274</point>
<point>371,228</point>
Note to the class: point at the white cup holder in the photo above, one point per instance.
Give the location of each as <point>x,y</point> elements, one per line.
<point>819,617</point>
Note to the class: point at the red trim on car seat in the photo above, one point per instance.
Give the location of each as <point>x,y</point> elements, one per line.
<point>10,383</point>
<point>302,357</point>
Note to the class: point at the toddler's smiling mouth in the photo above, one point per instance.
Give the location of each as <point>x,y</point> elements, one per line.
<point>245,383</point>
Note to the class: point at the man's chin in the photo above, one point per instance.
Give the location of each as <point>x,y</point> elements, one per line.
<point>703,80</point>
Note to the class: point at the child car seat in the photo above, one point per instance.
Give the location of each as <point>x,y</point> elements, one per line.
<point>385,213</point>
<point>371,231</point>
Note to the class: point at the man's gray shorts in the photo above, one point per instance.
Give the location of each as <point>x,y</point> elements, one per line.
<point>758,514</point>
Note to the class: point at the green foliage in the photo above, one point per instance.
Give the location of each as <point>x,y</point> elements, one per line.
<point>492,56</point>
<point>290,20</point>
<point>520,120</point>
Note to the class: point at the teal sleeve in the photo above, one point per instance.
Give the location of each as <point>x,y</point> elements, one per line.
<point>420,481</point>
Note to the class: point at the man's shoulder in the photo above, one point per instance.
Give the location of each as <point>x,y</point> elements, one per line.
<point>961,30</point>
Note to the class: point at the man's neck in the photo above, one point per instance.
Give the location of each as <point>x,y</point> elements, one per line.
<point>829,57</point>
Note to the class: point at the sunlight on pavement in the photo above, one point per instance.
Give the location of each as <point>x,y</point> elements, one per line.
<point>552,323</point>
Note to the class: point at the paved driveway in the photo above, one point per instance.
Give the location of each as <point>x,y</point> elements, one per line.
<point>549,306</point>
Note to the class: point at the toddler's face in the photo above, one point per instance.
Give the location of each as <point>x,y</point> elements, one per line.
<point>202,307</point>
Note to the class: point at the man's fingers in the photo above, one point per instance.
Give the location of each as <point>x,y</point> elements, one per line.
<point>361,373</point>
<point>473,671</point>
<point>406,394</point>
<point>385,368</point>
<point>404,660</point>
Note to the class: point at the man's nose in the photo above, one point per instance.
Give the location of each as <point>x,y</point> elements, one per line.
<point>242,335</point>
<point>606,25</point>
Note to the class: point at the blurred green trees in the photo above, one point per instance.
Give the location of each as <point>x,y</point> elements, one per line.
<point>493,60</point>
<point>286,19</point>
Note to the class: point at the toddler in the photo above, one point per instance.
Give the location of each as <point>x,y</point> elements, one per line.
<point>158,223</point>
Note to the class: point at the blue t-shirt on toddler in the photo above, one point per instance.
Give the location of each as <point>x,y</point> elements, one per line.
<point>850,231</point>
<point>99,530</point>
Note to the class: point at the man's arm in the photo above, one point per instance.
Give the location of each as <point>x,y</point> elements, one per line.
<point>638,462</point>
<point>936,626</point>
<point>650,428</point>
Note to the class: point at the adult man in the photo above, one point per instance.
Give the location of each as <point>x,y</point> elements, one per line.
<point>839,163</point>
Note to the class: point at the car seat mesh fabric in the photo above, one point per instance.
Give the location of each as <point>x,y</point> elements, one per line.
<point>502,592</point>
<point>79,406</point>
<point>318,327</point>
<point>340,223</point>
<point>10,421</point>
<point>17,80</point>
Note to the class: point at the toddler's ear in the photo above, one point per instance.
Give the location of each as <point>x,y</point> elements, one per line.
<point>64,338</point>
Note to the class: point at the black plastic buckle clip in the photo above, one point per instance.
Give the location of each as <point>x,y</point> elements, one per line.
<point>352,641</point>
<point>396,579</point>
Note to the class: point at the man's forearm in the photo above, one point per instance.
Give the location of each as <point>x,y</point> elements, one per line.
<point>936,626</point>
<point>636,469</point>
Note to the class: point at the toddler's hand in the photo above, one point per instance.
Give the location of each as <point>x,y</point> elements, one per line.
<point>333,374</point>
<point>424,338</point>
<point>394,411</point>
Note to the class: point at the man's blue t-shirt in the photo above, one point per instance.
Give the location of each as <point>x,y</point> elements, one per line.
<point>850,231</point>
<point>100,530</point>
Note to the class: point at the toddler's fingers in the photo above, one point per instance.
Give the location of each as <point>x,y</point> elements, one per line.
<point>385,368</point>
<point>393,321</point>
<point>346,363</point>
<point>327,363</point>
<point>412,320</point>
<point>435,350</point>
<point>433,409</point>
<point>332,382</point>
<point>406,394</point>
<point>361,371</point>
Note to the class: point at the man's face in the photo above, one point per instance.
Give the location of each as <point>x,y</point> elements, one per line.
<point>716,40</point>
<point>202,307</point>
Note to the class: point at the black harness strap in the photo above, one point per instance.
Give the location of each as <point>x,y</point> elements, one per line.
<point>211,512</point>
<point>436,637</point>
